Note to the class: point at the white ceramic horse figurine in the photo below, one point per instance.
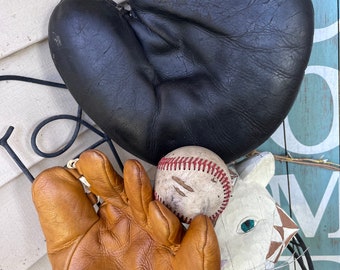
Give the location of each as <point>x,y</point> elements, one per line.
<point>253,230</point>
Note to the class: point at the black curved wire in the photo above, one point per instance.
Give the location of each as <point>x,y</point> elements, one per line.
<point>14,156</point>
<point>299,250</point>
<point>31,80</point>
<point>79,122</point>
<point>49,120</point>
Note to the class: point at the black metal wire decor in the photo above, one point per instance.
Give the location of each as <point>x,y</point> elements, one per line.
<point>296,246</point>
<point>78,123</point>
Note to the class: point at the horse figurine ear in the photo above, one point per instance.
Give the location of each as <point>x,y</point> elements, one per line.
<point>259,168</point>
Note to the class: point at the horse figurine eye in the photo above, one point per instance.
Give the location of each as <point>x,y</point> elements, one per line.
<point>248,225</point>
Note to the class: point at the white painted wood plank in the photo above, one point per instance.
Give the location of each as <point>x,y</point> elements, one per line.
<point>21,239</point>
<point>42,264</point>
<point>23,23</point>
<point>24,105</point>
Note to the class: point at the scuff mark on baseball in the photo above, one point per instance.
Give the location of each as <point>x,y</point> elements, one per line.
<point>193,180</point>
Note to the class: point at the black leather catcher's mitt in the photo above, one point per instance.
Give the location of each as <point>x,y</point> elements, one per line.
<point>221,74</point>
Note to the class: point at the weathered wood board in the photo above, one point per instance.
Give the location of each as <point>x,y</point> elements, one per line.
<point>311,130</point>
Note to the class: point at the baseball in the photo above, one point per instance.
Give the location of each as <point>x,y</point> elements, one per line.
<point>193,180</point>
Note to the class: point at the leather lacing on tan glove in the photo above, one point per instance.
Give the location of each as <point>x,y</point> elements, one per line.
<point>129,231</point>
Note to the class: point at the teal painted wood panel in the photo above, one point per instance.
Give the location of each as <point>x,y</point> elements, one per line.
<point>311,130</point>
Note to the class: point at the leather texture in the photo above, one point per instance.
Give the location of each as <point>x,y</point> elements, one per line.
<point>130,230</point>
<point>221,74</point>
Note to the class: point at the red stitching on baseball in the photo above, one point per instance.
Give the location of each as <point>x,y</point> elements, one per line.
<point>200,164</point>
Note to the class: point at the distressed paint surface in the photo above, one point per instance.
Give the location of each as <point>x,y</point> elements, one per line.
<point>311,130</point>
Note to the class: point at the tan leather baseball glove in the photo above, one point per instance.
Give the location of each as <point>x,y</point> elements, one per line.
<point>130,230</point>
